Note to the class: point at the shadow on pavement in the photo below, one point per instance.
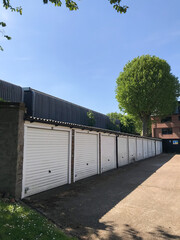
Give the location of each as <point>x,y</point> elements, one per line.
<point>130,233</point>
<point>77,208</point>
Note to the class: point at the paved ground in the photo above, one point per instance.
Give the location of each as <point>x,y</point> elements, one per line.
<point>139,201</point>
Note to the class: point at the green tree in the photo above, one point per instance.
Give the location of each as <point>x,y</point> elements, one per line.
<point>128,123</point>
<point>91,118</point>
<point>114,123</point>
<point>7,5</point>
<point>70,4</point>
<point>147,87</point>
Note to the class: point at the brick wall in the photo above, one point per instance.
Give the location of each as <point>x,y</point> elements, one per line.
<point>11,147</point>
<point>175,125</point>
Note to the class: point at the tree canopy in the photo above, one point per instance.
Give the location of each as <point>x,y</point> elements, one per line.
<point>70,4</point>
<point>147,87</point>
<point>127,123</point>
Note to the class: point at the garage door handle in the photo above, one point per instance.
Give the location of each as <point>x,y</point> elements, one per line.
<point>26,189</point>
<point>87,163</point>
<point>49,171</point>
<point>108,159</point>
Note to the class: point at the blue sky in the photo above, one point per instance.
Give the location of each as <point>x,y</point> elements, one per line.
<point>78,56</point>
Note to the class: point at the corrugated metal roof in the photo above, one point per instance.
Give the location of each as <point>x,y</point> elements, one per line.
<point>83,127</point>
<point>42,105</point>
<point>10,92</point>
<point>57,98</point>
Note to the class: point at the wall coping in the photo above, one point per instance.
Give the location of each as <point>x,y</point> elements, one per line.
<point>14,105</point>
<point>84,127</point>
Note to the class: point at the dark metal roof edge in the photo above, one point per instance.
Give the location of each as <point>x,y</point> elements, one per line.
<point>83,127</point>
<point>12,103</point>
<point>10,83</point>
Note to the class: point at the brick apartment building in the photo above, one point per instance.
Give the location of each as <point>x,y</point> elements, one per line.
<point>169,130</point>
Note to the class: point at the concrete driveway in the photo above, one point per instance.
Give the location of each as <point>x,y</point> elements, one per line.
<point>139,201</point>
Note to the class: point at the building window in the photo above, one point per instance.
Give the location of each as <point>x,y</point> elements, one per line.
<point>166,130</point>
<point>167,119</point>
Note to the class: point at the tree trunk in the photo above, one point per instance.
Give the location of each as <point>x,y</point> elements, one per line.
<point>145,126</point>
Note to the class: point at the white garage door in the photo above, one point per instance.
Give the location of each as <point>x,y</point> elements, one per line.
<point>132,149</point>
<point>46,160</point>
<point>108,152</point>
<point>122,151</point>
<point>161,147</point>
<point>153,147</point>
<point>145,148</point>
<point>149,148</point>
<point>158,147</point>
<point>139,149</point>
<point>86,155</point>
